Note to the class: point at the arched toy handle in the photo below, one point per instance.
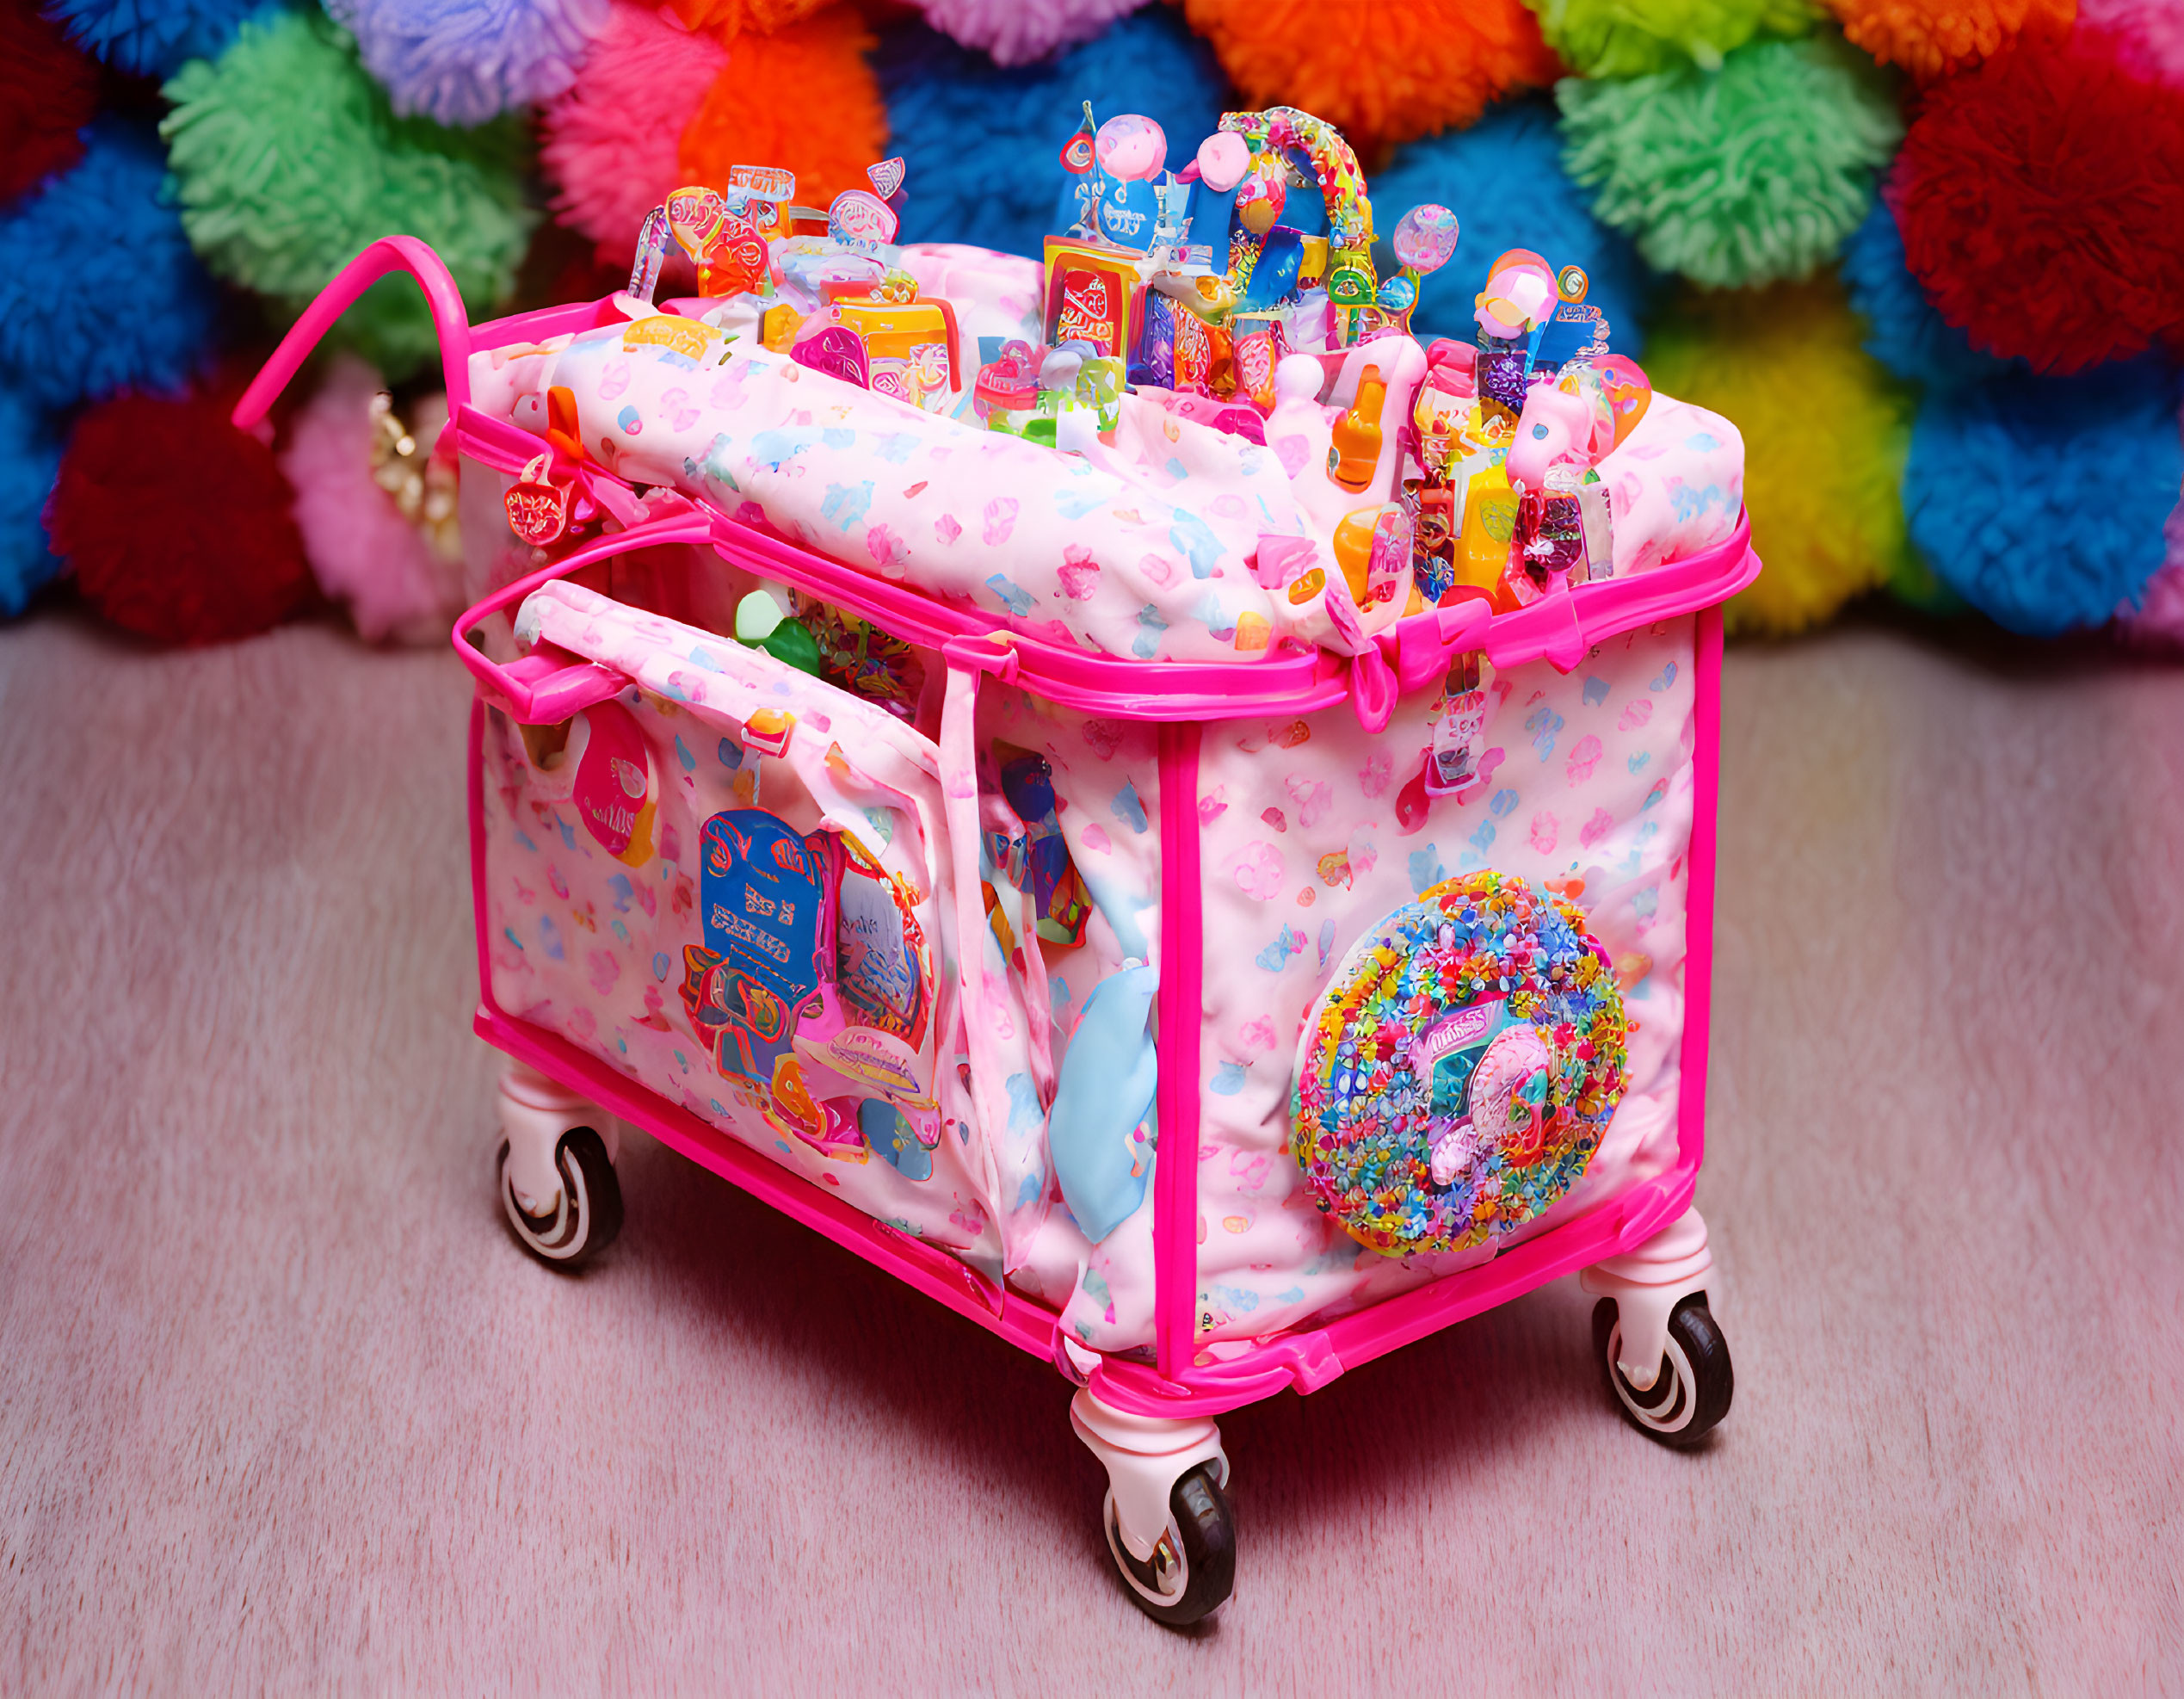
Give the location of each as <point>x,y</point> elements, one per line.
<point>546,686</point>
<point>450,320</point>
<point>1340,178</point>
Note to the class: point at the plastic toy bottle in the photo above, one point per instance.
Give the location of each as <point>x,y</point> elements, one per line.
<point>1356,451</point>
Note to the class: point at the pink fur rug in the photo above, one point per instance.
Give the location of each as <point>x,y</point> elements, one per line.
<point>282,1407</point>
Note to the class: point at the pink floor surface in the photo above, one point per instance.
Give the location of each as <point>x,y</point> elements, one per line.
<point>282,1407</point>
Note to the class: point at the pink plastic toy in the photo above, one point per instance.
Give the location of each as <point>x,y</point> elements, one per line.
<point>989,949</point>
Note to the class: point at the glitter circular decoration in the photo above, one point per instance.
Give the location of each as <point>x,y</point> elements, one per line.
<point>1459,1070</point>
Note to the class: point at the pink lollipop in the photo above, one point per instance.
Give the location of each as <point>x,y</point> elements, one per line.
<point>1131,148</point>
<point>1222,158</point>
<point>1425,237</point>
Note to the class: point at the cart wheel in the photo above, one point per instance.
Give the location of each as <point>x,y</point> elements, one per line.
<point>1696,1381</point>
<point>1194,1568</point>
<point>586,1215</point>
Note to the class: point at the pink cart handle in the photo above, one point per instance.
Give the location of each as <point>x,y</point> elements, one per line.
<point>549,684</point>
<point>390,253</point>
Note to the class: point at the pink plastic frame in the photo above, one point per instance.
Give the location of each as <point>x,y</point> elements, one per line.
<point>549,685</point>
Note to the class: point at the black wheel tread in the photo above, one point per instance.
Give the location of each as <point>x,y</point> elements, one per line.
<point>1202,1516</point>
<point>1694,1328</point>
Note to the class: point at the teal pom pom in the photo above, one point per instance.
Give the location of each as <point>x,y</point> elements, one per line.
<point>29,457</point>
<point>1906,334</point>
<point>982,143</point>
<point>98,288</point>
<point>1503,180</point>
<point>291,162</point>
<point>1636,38</point>
<point>2041,500</point>
<point>1746,175</point>
<point>150,38</point>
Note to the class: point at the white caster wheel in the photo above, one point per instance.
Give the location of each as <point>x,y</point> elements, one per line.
<point>1692,1392</point>
<point>586,1211</point>
<point>1193,1568</point>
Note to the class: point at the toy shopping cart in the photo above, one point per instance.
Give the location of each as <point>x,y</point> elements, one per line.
<point>1203,1026</point>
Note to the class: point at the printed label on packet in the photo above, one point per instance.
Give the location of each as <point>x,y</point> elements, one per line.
<point>615,791</point>
<point>1460,726</point>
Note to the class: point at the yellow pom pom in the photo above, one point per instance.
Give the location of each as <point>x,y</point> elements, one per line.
<point>1825,430</point>
<point>1933,39</point>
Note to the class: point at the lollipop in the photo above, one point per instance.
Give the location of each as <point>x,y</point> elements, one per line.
<point>1222,158</point>
<point>1521,294</point>
<point>1131,148</point>
<point>1425,237</point>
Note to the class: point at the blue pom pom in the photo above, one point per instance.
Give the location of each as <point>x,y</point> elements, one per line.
<point>2041,500</point>
<point>984,144</point>
<point>99,290</point>
<point>1503,180</point>
<point>29,460</point>
<point>150,38</point>
<point>1905,333</point>
<point>465,61</point>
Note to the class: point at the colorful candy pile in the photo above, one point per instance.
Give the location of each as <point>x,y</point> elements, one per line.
<point>1461,1069</point>
<point>1932,251</point>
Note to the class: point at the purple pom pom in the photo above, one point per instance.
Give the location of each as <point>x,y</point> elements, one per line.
<point>465,61</point>
<point>1016,32</point>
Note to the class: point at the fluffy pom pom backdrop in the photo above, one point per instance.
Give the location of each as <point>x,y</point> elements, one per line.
<point>106,220</point>
<point>465,61</point>
<point>1505,173</point>
<point>1380,70</point>
<point>29,456</point>
<point>1825,431</point>
<point>959,122</point>
<point>152,38</point>
<point>1750,174</point>
<point>1637,38</point>
<point>365,554</point>
<point>175,524</point>
<point>2041,203</point>
<point>289,161</point>
<point>2041,501</point>
<point>1855,275</point>
<point>49,91</point>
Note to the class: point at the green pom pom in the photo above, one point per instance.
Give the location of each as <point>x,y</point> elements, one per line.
<point>290,162</point>
<point>1636,38</point>
<point>1746,175</point>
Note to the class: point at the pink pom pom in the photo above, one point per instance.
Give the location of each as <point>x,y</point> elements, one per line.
<point>2148,34</point>
<point>363,552</point>
<point>1015,32</point>
<point>610,141</point>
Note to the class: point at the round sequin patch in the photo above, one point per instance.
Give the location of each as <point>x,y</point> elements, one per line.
<point>1458,1074</point>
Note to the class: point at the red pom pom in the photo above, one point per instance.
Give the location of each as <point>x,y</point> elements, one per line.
<point>2041,199</point>
<point>49,91</point>
<point>176,522</point>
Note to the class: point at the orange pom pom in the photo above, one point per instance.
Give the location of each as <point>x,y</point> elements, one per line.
<point>1380,70</point>
<point>732,17</point>
<point>1933,39</point>
<point>802,97</point>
